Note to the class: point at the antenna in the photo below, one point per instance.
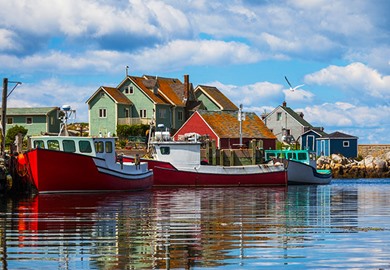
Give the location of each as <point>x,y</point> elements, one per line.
<point>127,71</point>
<point>65,113</point>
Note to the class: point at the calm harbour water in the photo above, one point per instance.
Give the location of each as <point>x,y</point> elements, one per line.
<point>342,225</point>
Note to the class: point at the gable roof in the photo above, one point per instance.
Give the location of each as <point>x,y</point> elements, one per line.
<point>147,86</point>
<point>31,111</point>
<point>217,97</point>
<point>226,125</point>
<point>296,116</point>
<point>319,131</point>
<point>340,135</point>
<point>114,93</point>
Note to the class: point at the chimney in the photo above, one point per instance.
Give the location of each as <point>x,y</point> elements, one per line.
<point>284,104</point>
<point>186,86</point>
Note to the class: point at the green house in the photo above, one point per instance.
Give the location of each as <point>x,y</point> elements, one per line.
<point>213,99</point>
<point>36,120</point>
<point>139,100</point>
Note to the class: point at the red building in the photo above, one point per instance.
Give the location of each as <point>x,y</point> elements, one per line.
<point>224,128</point>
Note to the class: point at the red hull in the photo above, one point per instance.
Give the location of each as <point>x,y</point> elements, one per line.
<point>55,171</point>
<point>174,177</point>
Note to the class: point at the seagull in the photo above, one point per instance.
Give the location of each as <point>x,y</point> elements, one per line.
<point>293,88</point>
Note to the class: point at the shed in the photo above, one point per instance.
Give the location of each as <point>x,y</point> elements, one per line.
<point>224,128</point>
<point>337,143</point>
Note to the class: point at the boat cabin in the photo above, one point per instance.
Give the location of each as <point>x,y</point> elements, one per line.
<point>303,156</point>
<point>96,147</point>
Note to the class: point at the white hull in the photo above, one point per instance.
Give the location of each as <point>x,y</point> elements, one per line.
<point>302,174</point>
<point>231,170</point>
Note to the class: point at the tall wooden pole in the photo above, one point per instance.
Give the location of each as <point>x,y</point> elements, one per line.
<point>4,114</point>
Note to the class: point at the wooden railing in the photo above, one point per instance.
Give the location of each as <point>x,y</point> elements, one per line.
<point>133,121</point>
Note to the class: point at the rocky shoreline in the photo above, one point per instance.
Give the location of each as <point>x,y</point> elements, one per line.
<point>368,167</point>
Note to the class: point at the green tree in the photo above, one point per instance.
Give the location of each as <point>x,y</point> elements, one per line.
<point>12,132</point>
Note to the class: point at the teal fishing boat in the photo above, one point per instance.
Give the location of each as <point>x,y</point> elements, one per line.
<point>301,166</point>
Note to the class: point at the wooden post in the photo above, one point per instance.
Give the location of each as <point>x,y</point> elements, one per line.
<point>213,153</point>
<point>231,157</point>
<point>208,150</point>
<point>253,147</point>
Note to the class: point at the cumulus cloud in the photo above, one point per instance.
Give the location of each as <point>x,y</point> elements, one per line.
<point>53,92</point>
<point>357,78</point>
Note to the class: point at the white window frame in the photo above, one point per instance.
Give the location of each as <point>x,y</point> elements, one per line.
<point>127,112</point>
<point>102,113</point>
<point>129,90</point>
<point>278,116</point>
<point>29,122</point>
<point>345,143</point>
<point>142,113</point>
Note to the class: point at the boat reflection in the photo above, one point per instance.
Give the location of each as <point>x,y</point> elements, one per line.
<point>177,228</point>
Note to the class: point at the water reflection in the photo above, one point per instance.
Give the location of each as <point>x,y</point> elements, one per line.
<point>311,226</point>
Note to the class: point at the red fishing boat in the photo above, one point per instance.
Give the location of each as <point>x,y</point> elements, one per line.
<point>80,164</point>
<point>177,163</point>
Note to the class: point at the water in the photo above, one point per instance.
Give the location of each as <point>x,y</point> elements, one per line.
<point>342,225</point>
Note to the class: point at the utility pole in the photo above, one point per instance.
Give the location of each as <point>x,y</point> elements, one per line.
<point>4,111</point>
<point>4,114</point>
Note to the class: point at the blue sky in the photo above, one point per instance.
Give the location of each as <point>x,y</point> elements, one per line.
<point>62,51</point>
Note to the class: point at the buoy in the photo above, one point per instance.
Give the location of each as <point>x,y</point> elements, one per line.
<point>22,159</point>
<point>21,167</point>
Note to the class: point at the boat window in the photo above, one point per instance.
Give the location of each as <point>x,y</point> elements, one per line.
<point>53,145</point>
<point>290,156</point>
<point>69,146</point>
<point>302,156</point>
<point>39,144</point>
<point>99,147</point>
<point>108,147</point>
<point>85,147</point>
<point>165,150</point>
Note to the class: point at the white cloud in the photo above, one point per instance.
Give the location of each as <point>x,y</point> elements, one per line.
<point>53,92</point>
<point>182,53</point>
<point>8,40</point>
<point>357,78</point>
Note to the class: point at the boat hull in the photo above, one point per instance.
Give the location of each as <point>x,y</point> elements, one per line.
<point>56,171</point>
<point>302,174</point>
<point>219,176</point>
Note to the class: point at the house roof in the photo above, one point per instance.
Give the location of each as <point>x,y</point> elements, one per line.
<point>147,86</point>
<point>318,130</point>
<point>339,135</point>
<point>226,125</point>
<point>116,95</point>
<point>217,97</point>
<point>31,111</point>
<point>296,116</point>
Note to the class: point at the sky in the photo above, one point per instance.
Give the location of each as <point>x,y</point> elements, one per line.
<point>63,51</point>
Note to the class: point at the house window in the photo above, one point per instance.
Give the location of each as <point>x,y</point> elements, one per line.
<point>142,113</point>
<point>278,116</point>
<point>29,120</point>
<point>103,113</point>
<point>127,113</point>
<point>345,143</point>
<point>162,113</point>
<point>180,116</point>
<point>129,90</point>
<point>10,120</point>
